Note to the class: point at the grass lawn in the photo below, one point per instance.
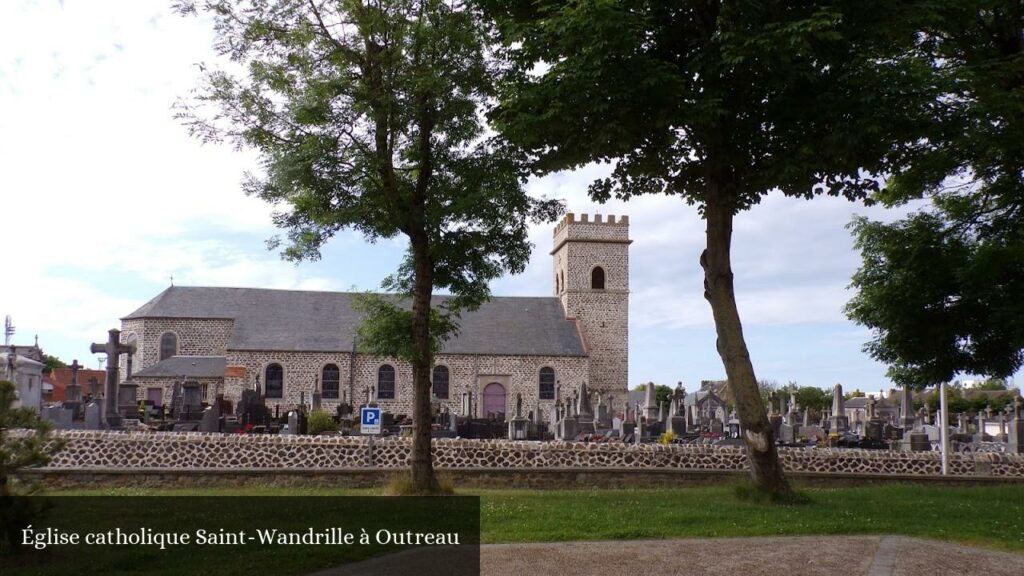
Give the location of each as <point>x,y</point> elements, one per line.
<point>991,516</point>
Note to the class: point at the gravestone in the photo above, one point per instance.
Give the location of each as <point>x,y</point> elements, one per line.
<point>127,399</point>
<point>191,401</point>
<point>678,420</point>
<point>93,416</point>
<point>650,404</point>
<point>584,412</point>
<point>210,421</point>
<point>251,411</point>
<point>293,423</point>
<point>58,416</point>
<point>776,422</point>
<point>813,431</point>
<point>787,433</point>
<point>839,422</point>
<point>920,442</point>
<point>566,429</point>
<point>717,426</point>
<point>603,413</point>
<point>628,426</point>
<point>980,435</point>
<point>907,409</point>
<point>874,430</point>
<point>519,424</point>
<point>1015,445</point>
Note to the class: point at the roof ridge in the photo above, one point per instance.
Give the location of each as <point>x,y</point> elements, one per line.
<point>159,296</point>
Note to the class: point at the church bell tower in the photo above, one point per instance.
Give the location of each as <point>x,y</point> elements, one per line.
<point>591,259</point>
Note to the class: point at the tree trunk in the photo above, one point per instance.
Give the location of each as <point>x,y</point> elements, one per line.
<point>422,465</point>
<point>765,467</point>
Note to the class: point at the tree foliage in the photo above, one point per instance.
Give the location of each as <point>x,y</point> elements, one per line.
<point>939,303</point>
<point>719,103</point>
<point>50,362</point>
<point>811,397</point>
<point>662,392</point>
<point>940,288</point>
<point>25,442</point>
<point>368,116</point>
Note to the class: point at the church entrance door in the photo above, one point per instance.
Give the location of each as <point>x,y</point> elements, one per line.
<point>494,400</point>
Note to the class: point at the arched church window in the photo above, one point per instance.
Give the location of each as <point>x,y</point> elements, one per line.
<point>330,381</point>
<point>440,382</point>
<point>546,387</point>
<point>597,278</point>
<point>168,345</point>
<point>386,382</point>
<point>274,381</point>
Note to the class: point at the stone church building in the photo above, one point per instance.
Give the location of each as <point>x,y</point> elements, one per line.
<point>295,342</point>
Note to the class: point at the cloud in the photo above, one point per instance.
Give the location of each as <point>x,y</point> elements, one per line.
<point>105,196</point>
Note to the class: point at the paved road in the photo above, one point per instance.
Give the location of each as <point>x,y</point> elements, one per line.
<point>791,556</point>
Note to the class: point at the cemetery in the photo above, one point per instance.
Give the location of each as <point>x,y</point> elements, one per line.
<point>239,379</point>
<point>693,436</point>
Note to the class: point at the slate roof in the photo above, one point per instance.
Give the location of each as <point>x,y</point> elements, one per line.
<point>189,366</point>
<point>294,320</point>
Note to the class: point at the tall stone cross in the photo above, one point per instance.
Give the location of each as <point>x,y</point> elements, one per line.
<point>74,391</point>
<point>113,349</point>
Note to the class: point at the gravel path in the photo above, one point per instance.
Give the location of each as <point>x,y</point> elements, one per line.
<point>791,556</point>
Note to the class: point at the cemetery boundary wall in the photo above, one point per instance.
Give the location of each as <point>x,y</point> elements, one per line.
<point>536,479</point>
<point>193,458</point>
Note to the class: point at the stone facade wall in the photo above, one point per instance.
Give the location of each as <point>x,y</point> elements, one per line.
<point>467,374</point>
<point>185,451</point>
<point>196,337</point>
<point>301,371</point>
<point>580,245</point>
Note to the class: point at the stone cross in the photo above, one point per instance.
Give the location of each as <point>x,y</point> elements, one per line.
<point>113,349</point>
<point>74,391</point>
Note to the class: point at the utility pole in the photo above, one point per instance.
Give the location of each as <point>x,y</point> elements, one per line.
<point>944,428</point>
<point>8,330</point>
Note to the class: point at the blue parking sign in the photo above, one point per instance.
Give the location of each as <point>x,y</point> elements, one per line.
<point>369,420</point>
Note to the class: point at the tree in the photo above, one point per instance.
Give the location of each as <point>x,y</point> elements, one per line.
<point>953,270</point>
<point>662,392</point>
<point>367,116</point>
<point>939,303</point>
<point>813,398</point>
<point>719,103</point>
<point>50,362</point>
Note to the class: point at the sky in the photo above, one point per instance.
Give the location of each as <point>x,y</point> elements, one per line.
<point>104,197</point>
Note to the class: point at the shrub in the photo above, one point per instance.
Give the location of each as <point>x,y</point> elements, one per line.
<point>20,451</point>
<point>320,421</point>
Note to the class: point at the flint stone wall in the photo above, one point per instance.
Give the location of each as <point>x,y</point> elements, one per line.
<point>95,450</point>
